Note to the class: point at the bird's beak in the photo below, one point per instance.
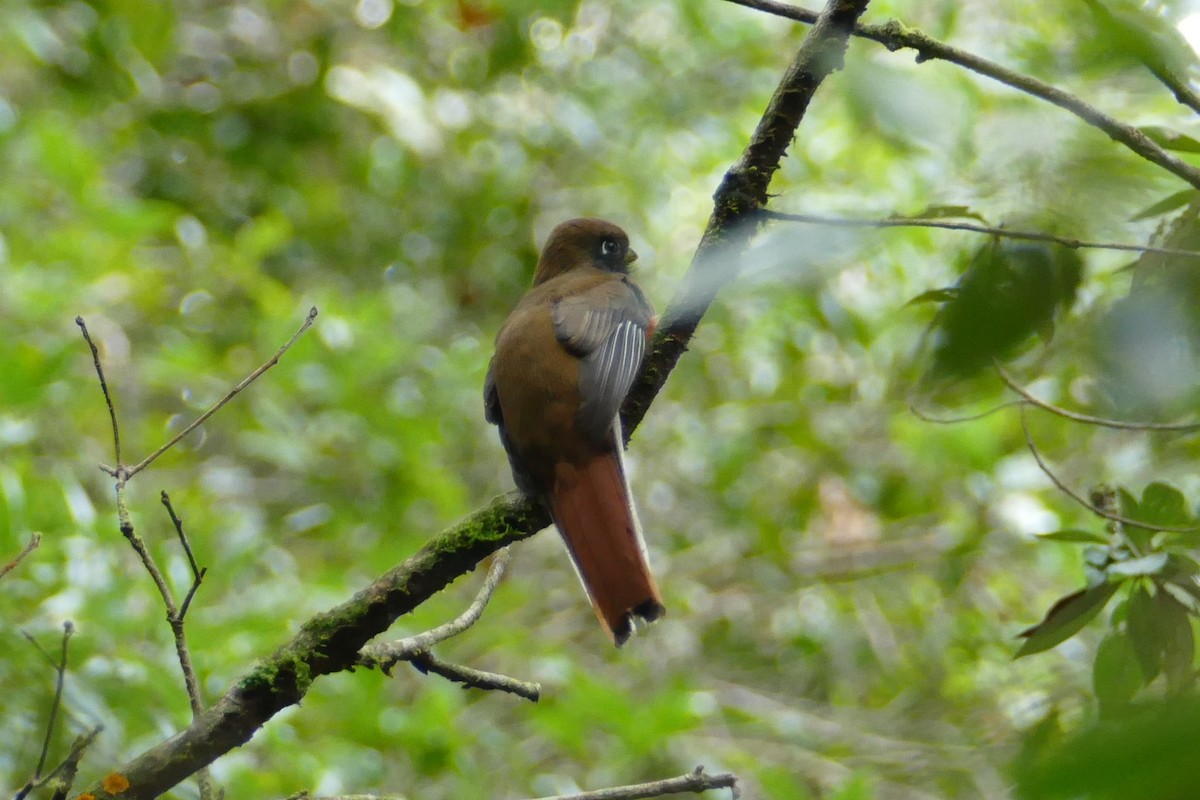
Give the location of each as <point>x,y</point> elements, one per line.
<point>630,256</point>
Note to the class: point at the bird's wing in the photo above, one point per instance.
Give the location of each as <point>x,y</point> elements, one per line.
<point>606,329</point>
<point>491,399</point>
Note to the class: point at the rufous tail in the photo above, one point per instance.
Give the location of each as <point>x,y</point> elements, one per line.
<point>591,506</point>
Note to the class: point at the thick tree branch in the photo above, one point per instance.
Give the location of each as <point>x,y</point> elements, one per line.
<point>895,36</point>
<point>330,641</point>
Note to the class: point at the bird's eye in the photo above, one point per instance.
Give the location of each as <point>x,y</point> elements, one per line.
<point>609,247</point>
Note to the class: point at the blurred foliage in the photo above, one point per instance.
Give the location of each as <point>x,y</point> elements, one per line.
<point>844,578</point>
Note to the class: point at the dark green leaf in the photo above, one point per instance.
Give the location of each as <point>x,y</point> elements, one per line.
<point>1163,504</point>
<point>1075,535</point>
<point>934,296</point>
<point>1066,618</point>
<point>1144,633</point>
<point>1116,675</point>
<point>1008,293</point>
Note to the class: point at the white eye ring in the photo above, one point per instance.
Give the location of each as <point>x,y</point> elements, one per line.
<point>609,247</point>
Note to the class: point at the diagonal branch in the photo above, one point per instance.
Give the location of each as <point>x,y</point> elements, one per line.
<point>895,36</point>
<point>330,641</point>
<point>740,197</point>
<point>34,542</point>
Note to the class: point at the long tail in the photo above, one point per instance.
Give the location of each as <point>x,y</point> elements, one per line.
<point>590,504</point>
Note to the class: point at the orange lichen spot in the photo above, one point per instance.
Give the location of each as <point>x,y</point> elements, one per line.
<point>86,796</point>
<point>115,783</point>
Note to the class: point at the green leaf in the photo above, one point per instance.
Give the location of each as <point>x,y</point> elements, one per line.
<point>1128,507</point>
<point>1168,203</point>
<point>1078,535</point>
<point>1066,618</point>
<point>1144,633</point>
<point>1163,504</point>
<point>1116,674</point>
<point>1145,565</point>
<point>1172,140</point>
<point>934,296</point>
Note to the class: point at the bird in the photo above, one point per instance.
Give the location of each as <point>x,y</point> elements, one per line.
<point>564,360</point>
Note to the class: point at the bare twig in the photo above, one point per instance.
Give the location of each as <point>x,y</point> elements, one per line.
<point>925,417</point>
<point>415,649</point>
<point>1180,427</point>
<point>1083,501</point>
<point>1006,233</point>
<point>386,654</point>
<point>112,411</point>
<point>695,781</point>
<point>64,774</point>
<point>470,678</point>
<point>60,668</point>
<point>65,771</point>
<point>30,546</point>
<point>895,36</point>
<point>249,379</point>
<point>198,572</point>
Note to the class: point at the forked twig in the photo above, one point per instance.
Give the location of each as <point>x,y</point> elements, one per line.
<point>60,668</point>
<point>386,654</point>
<point>1083,501</point>
<point>415,649</point>
<point>249,379</point>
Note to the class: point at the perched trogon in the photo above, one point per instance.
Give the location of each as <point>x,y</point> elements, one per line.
<point>565,359</point>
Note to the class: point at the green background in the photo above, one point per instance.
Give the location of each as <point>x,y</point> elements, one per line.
<point>844,579</point>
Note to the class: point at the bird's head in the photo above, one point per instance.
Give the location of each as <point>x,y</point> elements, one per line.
<point>584,242</point>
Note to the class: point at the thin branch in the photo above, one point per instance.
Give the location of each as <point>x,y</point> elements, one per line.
<point>1006,233</point>
<point>694,781</point>
<point>385,654</point>
<point>198,572</point>
<point>64,774</point>
<point>112,411</point>
<point>924,417</point>
<point>1083,501</point>
<point>66,769</point>
<point>895,36</point>
<point>1180,427</point>
<point>470,678</point>
<point>175,618</point>
<point>249,379</point>
<point>60,668</point>
<point>32,545</point>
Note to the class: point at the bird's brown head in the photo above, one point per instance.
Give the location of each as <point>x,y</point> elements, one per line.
<point>584,242</point>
